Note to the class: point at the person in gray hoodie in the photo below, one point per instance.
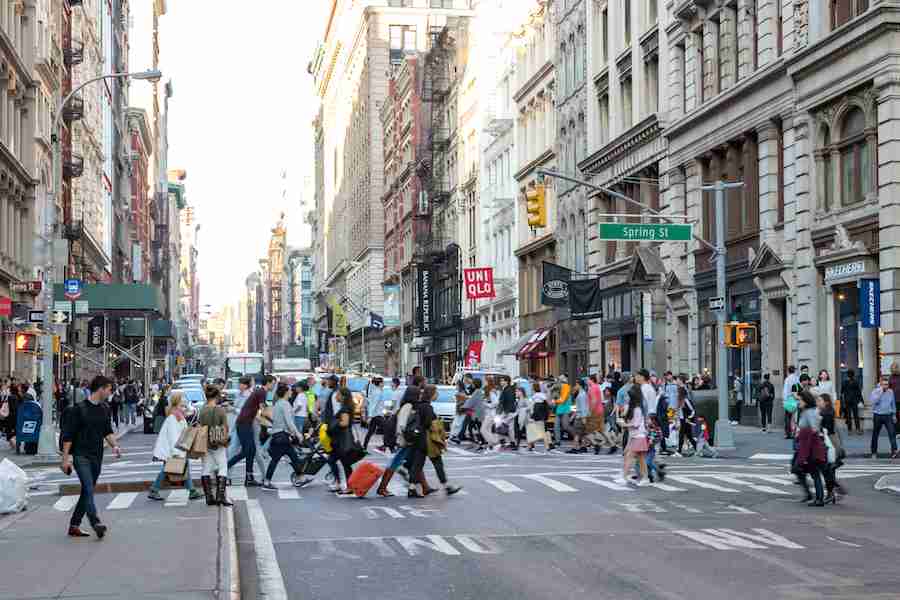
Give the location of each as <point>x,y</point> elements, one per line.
<point>472,408</point>
<point>282,432</point>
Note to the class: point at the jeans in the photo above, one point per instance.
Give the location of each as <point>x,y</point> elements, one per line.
<point>276,451</point>
<point>248,447</point>
<point>765,413</point>
<point>788,424</point>
<point>851,414</point>
<point>560,424</point>
<point>886,421</point>
<point>188,484</point>
<point>399,458</point>
<point>130,413</point>
<point>88,470</point>
<point>299,422</point>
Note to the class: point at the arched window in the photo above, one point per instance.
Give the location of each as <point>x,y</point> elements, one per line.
<point>563,245</point>
<point>856,161</point>
<point>573,234</point>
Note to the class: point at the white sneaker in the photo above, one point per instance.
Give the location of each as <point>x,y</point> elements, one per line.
<point>734,422</point>
<point>643,483</point>
<point>620,481</point>
<point>676,455</point>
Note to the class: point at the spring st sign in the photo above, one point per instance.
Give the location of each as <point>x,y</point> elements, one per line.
<point>647,232</point>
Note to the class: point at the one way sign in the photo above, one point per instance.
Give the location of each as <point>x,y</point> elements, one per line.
<point>60,317</point>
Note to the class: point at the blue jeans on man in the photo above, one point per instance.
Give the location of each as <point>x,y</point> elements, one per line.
<point>88,471</point>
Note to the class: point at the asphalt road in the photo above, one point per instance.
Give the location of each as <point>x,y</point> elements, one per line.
<point>558,526</point>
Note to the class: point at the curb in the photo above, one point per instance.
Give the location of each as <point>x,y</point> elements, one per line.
<point>34,464</point>
<point>228,577</point>
<point>115,487</point>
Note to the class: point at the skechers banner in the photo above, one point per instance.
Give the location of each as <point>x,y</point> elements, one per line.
<point>555,289</point>
<point>584,298</point>
<point>870,303</point>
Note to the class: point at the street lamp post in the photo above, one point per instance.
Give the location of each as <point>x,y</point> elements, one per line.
<point>47,442</point>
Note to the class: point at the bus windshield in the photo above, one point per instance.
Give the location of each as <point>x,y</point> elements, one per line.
<point>238,366</point>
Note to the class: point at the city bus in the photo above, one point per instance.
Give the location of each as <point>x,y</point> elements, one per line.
<point>250,364</point>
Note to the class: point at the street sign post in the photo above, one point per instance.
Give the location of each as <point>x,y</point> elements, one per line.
<point>72,289</point>
<point>646,232</point>
<point>717,303</point>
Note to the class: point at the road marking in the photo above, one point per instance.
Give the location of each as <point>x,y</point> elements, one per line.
<point>121,501</point>
<point>290,493</point>
<point>270,582</point>
<point>698,483</point>
<point>236,493</point>
<point>759,488</point>
<point>851,544</point>
<point>433,542</point>
<point>504,486</point>
<point>764,456</point>
<point>66,503</point>
<point>551,483</point>
<point>177,498</point>
<point>397,488</point>
<point>729,539</point>
<point>602,482</point>
<point>459,451</point>
<point>666,487</point>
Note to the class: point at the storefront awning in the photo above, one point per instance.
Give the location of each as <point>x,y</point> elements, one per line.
<point>536,345</point>
<point>514,348</point>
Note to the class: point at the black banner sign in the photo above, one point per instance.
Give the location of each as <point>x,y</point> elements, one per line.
<point>96,334</point>
<point>555,288</point>
<point>585,301</point>
<point>425,290</point>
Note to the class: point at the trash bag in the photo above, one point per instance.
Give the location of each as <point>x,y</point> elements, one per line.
<point>13,487</point>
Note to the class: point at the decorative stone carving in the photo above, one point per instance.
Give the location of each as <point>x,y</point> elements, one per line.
<point>842,240</point>
<point>801,23</point>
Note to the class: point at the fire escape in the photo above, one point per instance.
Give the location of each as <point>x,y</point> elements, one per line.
<point>72,161</point>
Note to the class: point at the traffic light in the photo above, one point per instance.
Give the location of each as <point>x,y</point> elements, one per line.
<point>536,206</point>
<point>746,335</point>
<point>26,342</point>
<point>731,335</point>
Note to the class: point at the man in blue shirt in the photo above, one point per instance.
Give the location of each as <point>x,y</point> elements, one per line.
<point>884,407</point>
<point>374,408</point>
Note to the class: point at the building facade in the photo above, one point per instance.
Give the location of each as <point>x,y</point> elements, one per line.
<point>140,224</point>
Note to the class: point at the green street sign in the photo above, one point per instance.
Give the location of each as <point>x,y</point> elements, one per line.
<point>647,232</point>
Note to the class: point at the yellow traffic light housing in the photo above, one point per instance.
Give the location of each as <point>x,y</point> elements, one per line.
<point>26,342</point>
<point>746,335</point>
<point>536,206</point>
<point>731,335</point>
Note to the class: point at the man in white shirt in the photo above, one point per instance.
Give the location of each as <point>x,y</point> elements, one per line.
<point>647,391</point>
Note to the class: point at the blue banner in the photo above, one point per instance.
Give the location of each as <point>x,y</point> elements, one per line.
<point>870,303</point>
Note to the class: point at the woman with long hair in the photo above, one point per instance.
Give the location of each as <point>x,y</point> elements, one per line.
<point>341,433</point>
<point>410,396</point>
<point>436,442</point>
<point>491,401</point>
<point>827,425</point>
<point>686,418</point>
<point>638,444</point>
<point>164,449</point>
<point>282,431</point>
<point>811,453</point>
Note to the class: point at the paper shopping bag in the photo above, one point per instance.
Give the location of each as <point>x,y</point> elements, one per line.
<point>187,439</point>
<point>200,445</point>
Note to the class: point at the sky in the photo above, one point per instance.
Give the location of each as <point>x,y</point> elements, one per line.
<point>240,117</point>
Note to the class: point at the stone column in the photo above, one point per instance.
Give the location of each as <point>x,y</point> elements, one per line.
<point>4,224</point>
<point>767,148</point>
<point>868,337</point>
<point>693,70</point>
<point>821,182</point>
<point>827,332</point>
<point>16,233</point>
<point>788,242</point>
<point>835,182</point>
<point>711,84</point>
<point>693,206</point>
<point>806,279</point>
<point>888,86</point>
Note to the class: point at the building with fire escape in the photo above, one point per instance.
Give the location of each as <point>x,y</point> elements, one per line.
<point>274,284</point>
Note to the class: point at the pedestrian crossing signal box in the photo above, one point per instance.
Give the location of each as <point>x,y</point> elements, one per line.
<point>738,335</point>
<point>536,206</point>
<point>26,342</point>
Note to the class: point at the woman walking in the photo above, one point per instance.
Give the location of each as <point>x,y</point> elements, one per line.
<point>835,460</point>
<point>491,400</point>
<point>637,437</point>
<point>686,418</point>
<point>341,434</point>
<point>164,449</point>
<point>420,419</point>
<point>403,411</point>
<point>244,425</point>
<point>283,430</point>
<point>437,442</point>
<point>811,453</point>
<point>215,462</point>
<point>538,413</point>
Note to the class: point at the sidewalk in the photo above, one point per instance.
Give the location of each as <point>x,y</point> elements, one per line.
<point>750,441</point>
<point>146,556</point>
<point>26,461</point>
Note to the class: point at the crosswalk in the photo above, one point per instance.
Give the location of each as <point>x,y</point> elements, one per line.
<point>605,482</point>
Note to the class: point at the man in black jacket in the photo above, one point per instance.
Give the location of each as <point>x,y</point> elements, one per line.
<point>766,400</point>
<point>850,401</point>
<point>508,407</point>
<point>87,426</point>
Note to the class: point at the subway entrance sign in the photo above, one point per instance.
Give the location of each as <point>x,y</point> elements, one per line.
<point>647,232</point>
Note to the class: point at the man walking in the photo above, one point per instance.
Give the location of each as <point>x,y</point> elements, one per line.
<point>884,407</point>
<point>87,426</point>
<point>766,396</point>
<point>374,409</point>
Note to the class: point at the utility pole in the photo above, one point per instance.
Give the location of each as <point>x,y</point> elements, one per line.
<point>724,433</point>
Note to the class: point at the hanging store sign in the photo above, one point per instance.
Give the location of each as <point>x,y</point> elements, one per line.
<point>96,333</point>
<point>424,283</point>
<point>555,288</point>
<point>479,283</point>
<point>392,306</point>
<point>647,314</point>
<point>473,353</point>
<point>870,303</point>
<point>845,270</point>
<point>585,301</point>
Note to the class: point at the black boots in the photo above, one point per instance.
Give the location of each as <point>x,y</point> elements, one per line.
<point>221,500</point>
<point>206,482</point>
<point>249,481</point>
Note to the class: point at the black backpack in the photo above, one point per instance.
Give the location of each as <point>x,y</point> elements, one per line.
<point>413,432</point>
<point>540,412</point>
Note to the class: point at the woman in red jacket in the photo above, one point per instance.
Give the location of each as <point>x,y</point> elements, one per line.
<point>812,456</point>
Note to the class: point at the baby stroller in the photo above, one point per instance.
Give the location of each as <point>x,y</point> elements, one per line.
<point>312,459</point>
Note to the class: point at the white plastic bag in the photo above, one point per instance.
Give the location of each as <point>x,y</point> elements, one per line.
<point>13,487</point>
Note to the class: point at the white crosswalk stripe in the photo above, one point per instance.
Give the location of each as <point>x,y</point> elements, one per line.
<point>551,483</point>
<point>605,483</point>
<point>122,501</point>
<point>700,483</point>
<point>177,498</point>
<point>759,488</point>
<point>290,493</point>
<point>66,503</point>
<point>503,485</point>
<point>236,493</point>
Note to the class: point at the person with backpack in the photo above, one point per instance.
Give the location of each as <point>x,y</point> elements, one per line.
<point>508,411</point>
<point>686,414</point>
<point>131,401</point>
<point>766,400</point>
<point>215,462</point>
<point>415,433</point>
<point>852,402</point>
<point>437,442</point>
<point>410,396</point>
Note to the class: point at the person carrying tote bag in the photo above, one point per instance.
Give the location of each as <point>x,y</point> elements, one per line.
<point>166,449</point>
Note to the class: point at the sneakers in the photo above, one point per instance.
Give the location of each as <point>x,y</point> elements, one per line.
<point>643,483</point>
<point>100,530</point>
<point>677,455</point>
<point>269,487</point>
<point>734,422</point>
<point>155,495</point>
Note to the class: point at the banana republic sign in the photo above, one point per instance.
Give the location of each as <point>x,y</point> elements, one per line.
<point>425,290</point>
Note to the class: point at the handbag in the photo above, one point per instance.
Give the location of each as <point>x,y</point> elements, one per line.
<point>437,439</point>
<point>201,443</point>
<point>186,440</point>
<point>534,431</point>
<point>281,438</point>
<point>175,467</point>
<point>356,453</point>
<point>217,436</point>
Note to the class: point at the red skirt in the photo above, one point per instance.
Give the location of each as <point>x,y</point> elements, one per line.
<point>638,444</point>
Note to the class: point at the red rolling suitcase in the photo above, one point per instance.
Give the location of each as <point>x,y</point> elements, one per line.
<point>364,477</point>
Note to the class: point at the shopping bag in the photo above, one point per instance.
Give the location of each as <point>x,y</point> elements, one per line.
<point>175,469</point>
<point>187,439</point>
<point>201,441</point>
<point>217,436</point>
<point>13,487</point>
<point>324,438</point>
<point>534,431</point>
<point>363,478</point>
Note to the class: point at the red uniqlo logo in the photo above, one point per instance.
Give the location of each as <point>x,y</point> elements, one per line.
<point>479,283</point>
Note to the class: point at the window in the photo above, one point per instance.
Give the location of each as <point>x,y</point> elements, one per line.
<point>604,34</point>
<point>734,59</point>
<point>779,140</point>
<point>403,40</point>
<point>604,118</point>
<point>564,70</point>
<point>652,12</point>
<point>652,83</point>
<point>441,3</point>
<point>856,161</point>
<point>627,117</point>
<point>577,62</point>
<point>842,11</point>
<point>700,67</point>
<point>626,29</point>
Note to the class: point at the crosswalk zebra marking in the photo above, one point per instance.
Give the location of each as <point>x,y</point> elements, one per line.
<point>759,488</point>
<point>666,487</point>
<point>290,493</point>
<point>504,486</point>
<point>177,498</point>
<point>604,483</point>
<point>236,493</point>
<point>122,501</point>
<point>702,484</point>
<point>551,483</point>
<point>66,503</point>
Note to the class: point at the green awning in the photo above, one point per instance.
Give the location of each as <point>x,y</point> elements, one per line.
<point>161,328</point>
<point>117,299</point>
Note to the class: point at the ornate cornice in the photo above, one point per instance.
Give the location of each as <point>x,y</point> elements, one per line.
<point>639,135</point>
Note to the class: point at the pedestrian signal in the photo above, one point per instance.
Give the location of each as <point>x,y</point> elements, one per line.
<point>746,335</point>
<point>536,206</point>
<point>26,342</point>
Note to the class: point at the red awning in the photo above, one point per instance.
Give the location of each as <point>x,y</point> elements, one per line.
<point>535,347</point>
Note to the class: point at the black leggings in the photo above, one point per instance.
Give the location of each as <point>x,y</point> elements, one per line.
<point>765,413</point>
<point>851,414</point>
<point>276,451</point>
<point>686,432</point>
<point>375,423</point>
<point>438,463</point>
<point>416,464</point>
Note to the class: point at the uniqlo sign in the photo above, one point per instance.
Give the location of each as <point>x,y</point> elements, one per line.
<point>479,283</point>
